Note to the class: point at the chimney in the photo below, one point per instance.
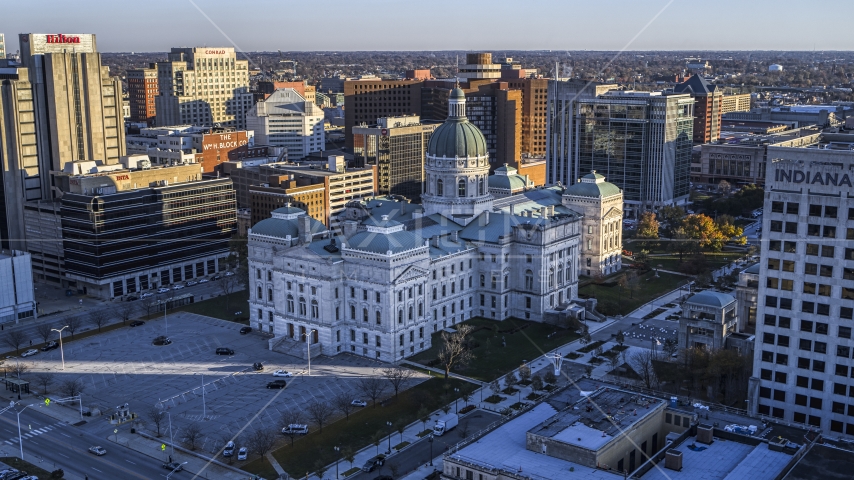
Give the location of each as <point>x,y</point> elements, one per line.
<point>512,209</point>
<point>455,236</point>
<point>304,229</point>
<point>673,460</point>
<point>551,210</point>
<point>543,212</point>
<point>705,433</point>
<point>434,240</point>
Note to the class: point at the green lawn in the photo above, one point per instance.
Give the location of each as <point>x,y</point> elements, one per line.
<point>223,306</point>
<point>491,360</point>
<point>713,259</point>
<point>28,467</point>
<point>356,432</point>
<point>615,300</point>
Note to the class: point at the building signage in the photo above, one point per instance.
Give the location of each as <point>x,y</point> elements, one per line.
<point>813,178</point>
<point>214,52</point>
<point>224,140</point>
<point>60,38</point>
<point>123,177</point>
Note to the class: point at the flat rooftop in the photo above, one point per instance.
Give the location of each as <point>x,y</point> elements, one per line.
<point>598,419</point>
<point>723,460</point>
<point>504,449</point>
<point>823,462</point>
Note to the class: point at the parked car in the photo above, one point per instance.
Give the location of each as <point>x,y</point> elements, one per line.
<point>162,290</point>
<point>282,373</point>
<point>50,346</point>
<point>146,295</point>
<point>30,352</point>
<point>373,463</point>
<point>229,274</point>
<point>216,277</point>
<point>245,330</point>
<point>162,340</point>
<point>224,351</point>
<point>295,428</point>
<point>258,367</point>
<point>137,323</point>
<point>277,384</point>
<point>242,453</point>
<point>191,283</point>
<point>177,287</point>
<point>359,403</point>
<point>174,466</point>
<point>97,450</point>
<point>131,298</point>
<point>228,450</point>
<point>204,280</point>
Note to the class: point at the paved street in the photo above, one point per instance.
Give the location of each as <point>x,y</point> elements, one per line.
<point>52,444</point>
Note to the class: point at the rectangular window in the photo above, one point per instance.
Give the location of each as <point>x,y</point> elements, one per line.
<point>811,269</point>
<point>827,251</point>
<point>791,227</point>
<point>792,208</point>
<point>815,210</point>
<point>802,381</point>
<point>830,211</point>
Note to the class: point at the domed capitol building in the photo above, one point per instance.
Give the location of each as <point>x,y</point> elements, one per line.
<point>400,271</point>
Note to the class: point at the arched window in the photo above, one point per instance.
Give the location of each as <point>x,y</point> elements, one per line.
<point>439,187</point>
<point>420,309</point>
<point>453,287</point>
<point>410,312</point>
<point>379,318</point>
<point>461,188</point>
<point>462,284</point>
<point>400,316</point>
<point>434,293</point>
<point>260,295</point>
<point>560,274</point>
<point>506,281</point>
<point>302,306</point>
<point>482,281</point>
<point>365,315</point>
<point>551,277</point>
<point>270,294</point>
<point>480,188</point>
<point>444,290</point>
<point>529,280</point>
<point>352,312</point>
<point>290,304</point>
<point>315,309</point>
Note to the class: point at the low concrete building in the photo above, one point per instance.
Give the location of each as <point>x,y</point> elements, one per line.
<point>708,318</point>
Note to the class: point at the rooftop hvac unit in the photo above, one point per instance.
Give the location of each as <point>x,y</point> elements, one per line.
<point>705,434</point>
<point>673,460</point>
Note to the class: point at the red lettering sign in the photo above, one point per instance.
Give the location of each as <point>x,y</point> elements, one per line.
<point>60,38</point>
<point>122,177</point>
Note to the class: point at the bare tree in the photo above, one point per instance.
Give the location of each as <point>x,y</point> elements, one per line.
<point>127,310</point>
<point>17,369</point>
<point>372,387</point>
<point>14,339</point>
<point>463,431</point>
<point>537,382</point>
<point>510,380</point>
<point>423,417</point>
<point>620,337</point>
<point>74,324</point>
<point>261,440</point>
<point>525,373</point>
<point>191,435</point>
<point>98,318</point>
<point>454,350</point>
<point>495,386</point>
<point>290,417</point>
<point>397,376</point>
<point>614,361</point>
<point>72,388</point>
<point>549,377</point>
<point>44,330</point>
<point>320,468</point>
<point>156,416</point>
<point>44,379</point>
<point>466,396</point>
<point>641,362</point>
<point>343,403</point>
<point>319,412</point>
<point>227,284</point>
<point>670,346</point>
<point>147,303</point>
<point>348,456</point>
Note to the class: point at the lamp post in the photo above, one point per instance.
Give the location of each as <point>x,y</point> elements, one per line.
<point>171,441</point>
<point>20,440</point>
<point>165,308</point>
<point>61,351</point>
<point>430,441</point>
<point>389,437</point>
<point>337,459</point>
<point>308,347</point>
<point>456,409</point>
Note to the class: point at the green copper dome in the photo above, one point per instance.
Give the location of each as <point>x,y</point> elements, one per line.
<point>457,138</point>
<point>592,185</point>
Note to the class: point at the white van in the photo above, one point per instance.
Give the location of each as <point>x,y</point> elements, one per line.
<point>295,428</point>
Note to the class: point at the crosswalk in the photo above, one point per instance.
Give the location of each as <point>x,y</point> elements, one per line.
<point>33,432</point>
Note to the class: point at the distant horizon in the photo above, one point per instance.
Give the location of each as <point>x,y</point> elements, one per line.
<point>442,25</point>
<point>485,50</point>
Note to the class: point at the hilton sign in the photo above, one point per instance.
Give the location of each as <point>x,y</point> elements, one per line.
<point>60,38</point>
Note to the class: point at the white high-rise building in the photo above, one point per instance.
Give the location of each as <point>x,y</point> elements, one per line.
<point>287,119</point>
<point>203,86</point>
<point>803,366</point>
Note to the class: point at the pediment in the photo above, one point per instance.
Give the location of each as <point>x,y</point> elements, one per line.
<point>411,273</point>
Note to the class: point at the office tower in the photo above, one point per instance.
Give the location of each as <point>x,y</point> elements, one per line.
<point>802,370</point>
<point>287,119</point>
<point>640,141</point>
<point>368,100</point>
<point>2,46</point>
<point>142,91</point>
<point>479,65</point>
<point>739,102</point>
<point>561,111</point>
<point>707,108</point>
<point>397,146</point>
<point>166,204</point>
<point>203,86</point>
<point>77,104</point>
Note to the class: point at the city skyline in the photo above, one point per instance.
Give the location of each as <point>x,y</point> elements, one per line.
<point>659,25</point>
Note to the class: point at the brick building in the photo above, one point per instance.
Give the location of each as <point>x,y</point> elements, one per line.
<point>142,88</point>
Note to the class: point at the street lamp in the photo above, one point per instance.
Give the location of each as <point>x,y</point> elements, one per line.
<point>389,437</point>
<point>166,307</point>
<point>171,441</point>
<point>20,440</point>
<point>456,410</point>
<point>308,347</point>
<point>337,459</point>
<point>61,352</point>
<point>430,441</point>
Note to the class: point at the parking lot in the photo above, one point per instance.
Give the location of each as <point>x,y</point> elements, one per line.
<point>124,367</point>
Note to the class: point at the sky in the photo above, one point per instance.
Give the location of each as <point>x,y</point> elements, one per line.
<point>290,25</point>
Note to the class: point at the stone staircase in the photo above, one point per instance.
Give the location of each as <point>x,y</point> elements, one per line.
<point>291,347</point>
